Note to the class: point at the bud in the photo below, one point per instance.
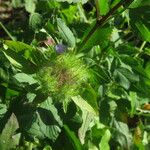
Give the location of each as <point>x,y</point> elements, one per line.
<point>49,42</point>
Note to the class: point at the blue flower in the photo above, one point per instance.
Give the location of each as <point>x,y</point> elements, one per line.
<point>60,48</point>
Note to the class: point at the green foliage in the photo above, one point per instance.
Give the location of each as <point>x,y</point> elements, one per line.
<point>103,6</point>
<point>104,141</point>
<point>139,21</point>
<point>8,138</point>
<point>75,74</point>
<point>35,21</point>
<point>72,138</point>
<point>66,33</point>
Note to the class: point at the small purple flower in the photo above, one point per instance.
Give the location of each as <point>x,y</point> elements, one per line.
<point>60,48</point>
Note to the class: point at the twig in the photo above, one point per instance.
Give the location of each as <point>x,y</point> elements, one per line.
<point>8,33</point>
<point>141,49</point>
<point>142,46</point>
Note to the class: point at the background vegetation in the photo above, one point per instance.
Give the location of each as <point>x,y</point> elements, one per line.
<point>74,75</point>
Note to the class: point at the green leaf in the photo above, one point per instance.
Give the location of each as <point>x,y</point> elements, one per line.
<point>133,99</point>
<point>139,21</point>
<point>47,147</point>
<point>122,134</point>
<point>72,138</point>
<point>13,61</point>
<point>104,145</point>
<point>129,74</point>
<point>24,78</point>
<point>71,10</point>
<point>91,97</point>
<point>30,5</point>
<point>66,33</point>
<point>18,46</point>
<point>17,3</point>
<point>121,79</point>
<point>35,21</point>
<point>98,37</point>
<point>83,105</point>
<point>47,122</point>
<point>87,119</point>
<point>19,55</point>
<point>88,114</point>
<point>46,105</point>
<point>4,75</point>
<point>92,146</point>
<point>3,109</point>
<point>7,138</point>
<point>73,1</point>
<point>103,6</point>
<point>139,3</point>
<point>31,96</point>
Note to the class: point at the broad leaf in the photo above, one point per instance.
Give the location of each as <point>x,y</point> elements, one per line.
<point>72,138</point>
<point>139,21</point>
<point>121,79</point>
<point>97,37</point>
<point>139,3</point>
<point>83,105</point>
<point>17,3</point>
<point>87,119</point>
<point>35,21</point>
<point>104,145</point>
<point>24,78</point>
<point>8,139</point>
<point>73,1</point>
<point>104,6</point>
<point>19,61</point>
<point>20,47</point>
<point>47,122</point>
<point>30,5</point>
<point>66,33</point>
<point>121,134</point>
<point>13,61</point>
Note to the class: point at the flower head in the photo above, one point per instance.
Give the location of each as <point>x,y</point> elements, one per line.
<point>60,48</point>
<point>63,78</point>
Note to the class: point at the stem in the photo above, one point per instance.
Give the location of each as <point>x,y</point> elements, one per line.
<point>97,9</point>
<point>102,21</point>
<point>8,33</point>
<point>142,46</point>
<point>141,49</point>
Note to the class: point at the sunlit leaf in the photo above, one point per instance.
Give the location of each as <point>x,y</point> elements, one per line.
<point>24,78</point>
<point>83,105</point>
<point>30,5</point>
<point>104,145</point>
<point>103,6</point>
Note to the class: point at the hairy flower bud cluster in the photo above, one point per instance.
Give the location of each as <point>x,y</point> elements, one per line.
<point>64,77</point>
